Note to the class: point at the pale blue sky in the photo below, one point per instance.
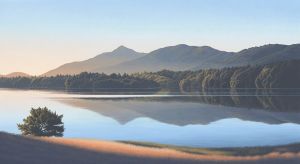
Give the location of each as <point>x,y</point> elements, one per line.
<point>38,35</point>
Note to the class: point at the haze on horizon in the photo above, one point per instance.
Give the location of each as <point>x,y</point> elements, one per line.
<point>37,36</point>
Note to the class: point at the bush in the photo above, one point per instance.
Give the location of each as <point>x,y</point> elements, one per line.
<point>42,122</point>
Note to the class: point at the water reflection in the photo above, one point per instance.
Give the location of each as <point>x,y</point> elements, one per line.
<point>195,109</point>
<point>284,100</point>
<point>204,120</point>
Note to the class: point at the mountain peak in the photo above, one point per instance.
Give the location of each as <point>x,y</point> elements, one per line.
<point>122,49</point>
<point>182,45</point>
<point>16,74</point>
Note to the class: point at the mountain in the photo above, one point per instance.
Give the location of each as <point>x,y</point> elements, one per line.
<point>264,55</point>
<point>119,55</point>
<point>178,58</point>
<point>16,74</point>
<point>184,57</point>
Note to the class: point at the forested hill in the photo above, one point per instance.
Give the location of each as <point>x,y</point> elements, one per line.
<point>277,75</point>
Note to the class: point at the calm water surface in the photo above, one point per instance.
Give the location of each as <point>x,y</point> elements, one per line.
<point>187,120</point>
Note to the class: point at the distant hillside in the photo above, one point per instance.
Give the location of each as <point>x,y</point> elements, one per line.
<point>184,57</point>
<point>119,55</point>
<point>179,58</point>
<point>16,74</point>
<point>264,55</point>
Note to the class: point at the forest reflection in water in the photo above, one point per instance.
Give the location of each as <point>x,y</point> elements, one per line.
<point>212,119</point>
<point>268,106</point>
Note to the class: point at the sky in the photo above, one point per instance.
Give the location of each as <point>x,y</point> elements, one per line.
<point>39,35</point>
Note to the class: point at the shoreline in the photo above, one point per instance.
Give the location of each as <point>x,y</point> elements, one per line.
<point>82,150</point>
<point>154,150</point>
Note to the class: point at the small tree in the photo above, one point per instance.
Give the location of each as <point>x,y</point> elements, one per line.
<point>42,122</point>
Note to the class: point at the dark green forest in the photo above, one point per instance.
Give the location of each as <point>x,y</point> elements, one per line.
<point>277,75</point>
<point>82,82</point>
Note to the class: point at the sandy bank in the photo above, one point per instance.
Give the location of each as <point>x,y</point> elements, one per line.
<point>17,149</point>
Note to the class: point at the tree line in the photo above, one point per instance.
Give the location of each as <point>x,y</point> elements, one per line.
<point>277,75</point>
<point>82,82</point>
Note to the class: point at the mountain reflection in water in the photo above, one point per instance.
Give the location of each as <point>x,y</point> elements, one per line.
<point>181,110</point>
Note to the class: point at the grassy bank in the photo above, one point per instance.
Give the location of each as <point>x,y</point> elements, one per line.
<point>236,151</point>
<point>16,149</point>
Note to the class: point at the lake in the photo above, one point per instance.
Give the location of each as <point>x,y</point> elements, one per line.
<point>218,120</point>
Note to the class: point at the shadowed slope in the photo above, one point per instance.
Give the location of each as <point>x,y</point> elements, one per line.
<point>17,149</point>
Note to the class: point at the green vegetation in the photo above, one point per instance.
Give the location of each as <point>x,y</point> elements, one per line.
<point>82,82</point>
<point>42,122</point>
<point>203,151</point>
<point>238,151</point>
<point>278,75</point>
<point>261,150</point>
<point>112,82</point>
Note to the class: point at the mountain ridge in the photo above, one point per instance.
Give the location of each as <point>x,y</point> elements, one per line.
<point>16,74</point>
<point>121,54</point>
<point>180,57</point>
